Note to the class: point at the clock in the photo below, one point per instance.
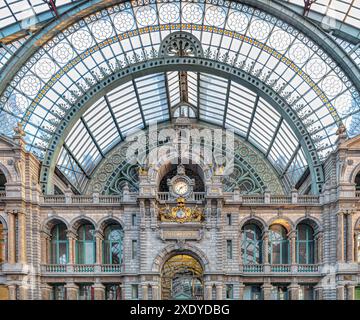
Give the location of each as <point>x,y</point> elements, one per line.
<point>181,187</point>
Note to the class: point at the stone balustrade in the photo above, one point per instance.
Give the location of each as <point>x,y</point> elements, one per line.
<point>81,268</point>
<point>249,199</point>
<point>280,268</point>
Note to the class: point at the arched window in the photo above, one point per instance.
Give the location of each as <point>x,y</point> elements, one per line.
<point>278,245</point>
<point>2,181</point>
<point>86,244</point>
<point>2,243</point>
<point>59,244</point>
<point>357,182</point>
<point>251,249</point>
<point>113,244</point>
<point>305,244</point>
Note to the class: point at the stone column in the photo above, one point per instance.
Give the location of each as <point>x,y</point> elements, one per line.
<point>99,248</point>
<point>266,247</point>
<point>11,239</point>
<point>219,291</point>
<point>340,237</point>
<point>240,247</point>
<point>72,291</point>
<point>356,249</point>
<point>45,248</point>
<point>318,292</point>
<point>208,292</point>
<point>21,237</point>
<point>266,291</point>
<point>12,291</point>
<point>145,293</point>
<point>350,239</point>
<point>241,291</point>
<point>350,292</point>
<point>46,292</point>
<point>319,244</point>
<point>71,239</point>
<point>156,292</point>
<point>294,291</point>
<point>293,247</point>
<point>99,291</point>
<point>23,293</point>
<point>340,292</point>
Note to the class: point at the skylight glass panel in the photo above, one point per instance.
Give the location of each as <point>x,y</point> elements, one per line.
<point>68,166</point>
<point>263,127</point>
<point>284,146</point>
<point>12,11</point>
<point>173,87</point>
<point>101,125</point>
<point>83,148</point>
<point>192,88</point>
<point>124,104</point>
<point>240,108</point>
<point>212,93</point>
<point>152,96</point>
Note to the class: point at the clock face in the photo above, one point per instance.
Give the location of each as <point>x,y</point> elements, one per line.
<point>181,187</point>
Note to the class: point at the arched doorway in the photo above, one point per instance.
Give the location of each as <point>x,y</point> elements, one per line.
<point>182,278</point>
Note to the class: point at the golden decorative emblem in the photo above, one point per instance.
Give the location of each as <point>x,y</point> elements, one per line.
<point>181,213</point>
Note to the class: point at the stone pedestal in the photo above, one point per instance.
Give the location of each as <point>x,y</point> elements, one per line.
<point>219,291</point>
<point>99,291</point>
<point>72,291</point>
<point>241,291</point>
<point>266,291</point>
<point>340,292</point>
<point>145,293</point>
<point>46,292</point>
<point>23,293</point>
<point>208,292</point>
<point>12,291</point>
<point>350,292</point>
<point>294,291</point>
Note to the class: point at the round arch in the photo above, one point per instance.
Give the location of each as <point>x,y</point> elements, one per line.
<point>311,221</point>
<point>50,222</point>
<point>187,64</point>
<point>283,221</point>
<point>78,221</point>
<point>258,221</point>
<point>106,221</point>
<point>174,249</point>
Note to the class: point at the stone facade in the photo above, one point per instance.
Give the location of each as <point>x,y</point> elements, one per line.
<point>28,217</point>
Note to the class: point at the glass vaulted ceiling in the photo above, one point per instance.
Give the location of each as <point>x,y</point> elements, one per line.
<point>12,11</point>
<point>137,103</point>
<point>347,11</point>
<point>65,67</point>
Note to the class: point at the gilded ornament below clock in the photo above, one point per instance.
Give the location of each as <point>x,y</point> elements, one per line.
<point>180,213</point>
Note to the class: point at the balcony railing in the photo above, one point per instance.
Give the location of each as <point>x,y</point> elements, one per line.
<point>2,194</point>
<point>197,196</point>
<point>82,268</point>
<point>308,268</point>
<point>280,268</point>
<point>357,194</point>
<point>253,268</point>
<point>54,268</point>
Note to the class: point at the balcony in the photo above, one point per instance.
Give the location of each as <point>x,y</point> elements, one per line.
<point>281,268</point>
<point>195,196</point>
<point>81,269</point>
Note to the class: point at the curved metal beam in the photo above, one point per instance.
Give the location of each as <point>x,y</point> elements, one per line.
<point>186,64</point>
